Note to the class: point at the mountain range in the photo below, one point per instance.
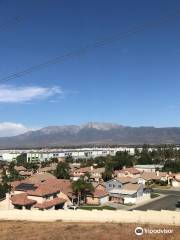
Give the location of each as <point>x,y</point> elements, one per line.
<point>92,133</point>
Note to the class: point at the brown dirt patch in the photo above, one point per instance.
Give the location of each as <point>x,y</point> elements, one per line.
<point>21,230</point>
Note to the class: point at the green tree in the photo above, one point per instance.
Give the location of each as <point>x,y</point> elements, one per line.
<point>81,188</point>
<point>145,157</point>
<point>21,160</point>
<point>172,166</point>
<point>13,175</point>
<point>45,163</point>
<point>107,175</point>
<point>33,166</point>
<point>100,161</point>
<point>122,159</point>
<point>4,188</point>
<point>62,170</point>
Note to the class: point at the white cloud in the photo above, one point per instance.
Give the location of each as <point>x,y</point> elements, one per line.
<point>8,129</point>
<point>12,94</point>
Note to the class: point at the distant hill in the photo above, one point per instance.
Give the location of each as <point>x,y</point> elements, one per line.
<point>92,133</point>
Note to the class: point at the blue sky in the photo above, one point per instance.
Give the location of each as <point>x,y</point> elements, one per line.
<point>133,81</point>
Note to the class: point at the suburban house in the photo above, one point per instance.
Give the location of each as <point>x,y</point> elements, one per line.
<point>150,177</point>
<point>99,197</point>
<point>49,169</point>
<point>35,193</point>
<point>118,182</point>
<point>127,172</point>
<point>94,173</point>
<point>40,177</point>
<point>76,173</point>
<point>23,171</point>
<point>126,192</point>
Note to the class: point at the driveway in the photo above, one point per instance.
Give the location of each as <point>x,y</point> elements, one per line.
<point>166,203</point>
<point>118,206</point>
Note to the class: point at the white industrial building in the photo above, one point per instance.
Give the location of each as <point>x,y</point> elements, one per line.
<point>46,154</point>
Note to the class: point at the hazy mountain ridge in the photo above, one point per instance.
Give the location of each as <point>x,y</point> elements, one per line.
<point>92,133</point>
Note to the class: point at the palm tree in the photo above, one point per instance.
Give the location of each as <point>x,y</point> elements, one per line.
<point>81,187</point>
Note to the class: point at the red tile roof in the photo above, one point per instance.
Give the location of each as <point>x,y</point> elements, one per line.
<point>40,177</point>
<point>22,199</point>
<point>131,170</point>
<point>48,187</point>
<point>150,176</point>
<point>131,186</point>
<point>51,203</point>
<point>100,193</point>
<point>83,170</point>
<point>62,185</point>
<point>126,179</point>
<point>43,190</point>
<point>15,184</point>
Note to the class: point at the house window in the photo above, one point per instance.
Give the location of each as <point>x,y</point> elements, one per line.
<point>110,185</point>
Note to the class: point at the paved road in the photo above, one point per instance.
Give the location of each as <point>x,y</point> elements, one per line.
<point>166,203</point>
<point>167,192</point>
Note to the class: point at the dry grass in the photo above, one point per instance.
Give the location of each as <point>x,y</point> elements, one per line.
<point>16,230</point>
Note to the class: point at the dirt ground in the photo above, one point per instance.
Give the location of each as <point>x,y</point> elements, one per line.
<point>21,230</point>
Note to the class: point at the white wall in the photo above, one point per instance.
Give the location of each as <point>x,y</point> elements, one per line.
<point>104,200</point>
<point>9,156</point>
<point>128,200</point>
<point>175,183</point>
<point>120,216</point>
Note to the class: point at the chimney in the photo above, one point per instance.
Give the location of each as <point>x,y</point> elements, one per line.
<point>91,168</point>
<point>124,167</point>
<point>157,173</point>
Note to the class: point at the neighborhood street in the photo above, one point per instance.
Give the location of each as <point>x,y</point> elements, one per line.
<point>166,203</point>
<point>172,191</point>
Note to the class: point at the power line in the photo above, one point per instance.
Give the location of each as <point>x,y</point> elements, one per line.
<point>89,47</point>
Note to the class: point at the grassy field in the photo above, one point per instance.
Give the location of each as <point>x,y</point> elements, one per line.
<point>154,195</point>
<point>16,230</point>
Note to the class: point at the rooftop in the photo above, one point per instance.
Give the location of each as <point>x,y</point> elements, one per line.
<point>100,193</point>
<point>49,204</point>
<point>40,177</point>
<point>22,199</point>
<point>131,170</point>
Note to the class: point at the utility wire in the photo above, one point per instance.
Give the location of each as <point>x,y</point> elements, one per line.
<point>89,47</point>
